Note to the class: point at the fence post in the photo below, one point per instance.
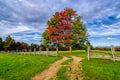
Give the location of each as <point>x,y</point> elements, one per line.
<point>34,51</point>
<point>17,51</point>
<point>88,50</point>
<point>39,51</point>
<point>47,49</point>
<point>56,51</point>
<point>70,49</point>
<point>30,51</point>
<point>22,51</point>
<point>113,52</point>
<point>26,51</point>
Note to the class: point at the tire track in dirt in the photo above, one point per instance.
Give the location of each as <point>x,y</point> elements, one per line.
<point>50,72</point>
<point>76,69</point>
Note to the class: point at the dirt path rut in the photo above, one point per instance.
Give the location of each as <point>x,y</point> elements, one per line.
<point>50,72</point>
<point>76,73</point>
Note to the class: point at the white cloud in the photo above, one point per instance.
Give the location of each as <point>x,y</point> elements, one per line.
<point>27,36</point>
<point>105,30</point>
<point>118,16</point>
<point>32,15</point>
<point>7,28</point>
<point>37,37</point>
<point>109,38</point>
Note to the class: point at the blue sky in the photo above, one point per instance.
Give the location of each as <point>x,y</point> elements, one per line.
<point>25,20</point>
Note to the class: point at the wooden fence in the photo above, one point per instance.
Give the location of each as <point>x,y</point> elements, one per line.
<point>34,52</point>
<point>103,54</point>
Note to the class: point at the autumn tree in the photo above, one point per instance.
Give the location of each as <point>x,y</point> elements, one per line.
<point>64,28</point>
<point>79,33</point>
<point>24,45</point>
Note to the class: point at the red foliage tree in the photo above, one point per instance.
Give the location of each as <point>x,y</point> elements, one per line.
<point>24,45</point>
<point>61,32</point>
<point>65,27</point>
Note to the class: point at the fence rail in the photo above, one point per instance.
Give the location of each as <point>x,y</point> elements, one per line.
<point>103,54</point>
<point>29,52</point>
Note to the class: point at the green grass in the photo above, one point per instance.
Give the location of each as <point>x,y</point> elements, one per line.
<point>62,73</point>
<point>105,52</point>
<point>118,53</point>
<point>101,69</point>
<point>23,67</point>
<point>67,62</point>
<point>79,53</point>
<point>101,51</point>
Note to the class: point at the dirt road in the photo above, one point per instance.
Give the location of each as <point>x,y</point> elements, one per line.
<point>50,72</point>
<point>76,73</point>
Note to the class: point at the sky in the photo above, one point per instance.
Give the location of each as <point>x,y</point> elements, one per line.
<point>25,20</point>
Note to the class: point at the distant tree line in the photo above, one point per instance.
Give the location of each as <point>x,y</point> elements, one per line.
<point>117,48</point>
<point>9,44</point>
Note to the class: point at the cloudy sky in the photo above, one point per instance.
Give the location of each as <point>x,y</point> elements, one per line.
<point>25,20</point>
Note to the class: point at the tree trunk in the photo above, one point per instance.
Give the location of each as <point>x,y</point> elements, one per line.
<point>70,49</point>
<point>30,51</point>
<point>47,51</point>
<point>39,51</point>
<point>56,51</point>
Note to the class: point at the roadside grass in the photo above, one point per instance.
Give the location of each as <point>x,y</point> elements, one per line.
<point>23,67</point>
<point>68,61</point>
<point>101,69</point>
<point>62,73</point>
<point>67,69</point>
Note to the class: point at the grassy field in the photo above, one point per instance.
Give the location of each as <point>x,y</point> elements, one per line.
<point>104,52</point>
<point>101,69</point>
<point>96,68</point>
<point>79,53</point>
<point>118,53</point>
<point>23,67</point>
